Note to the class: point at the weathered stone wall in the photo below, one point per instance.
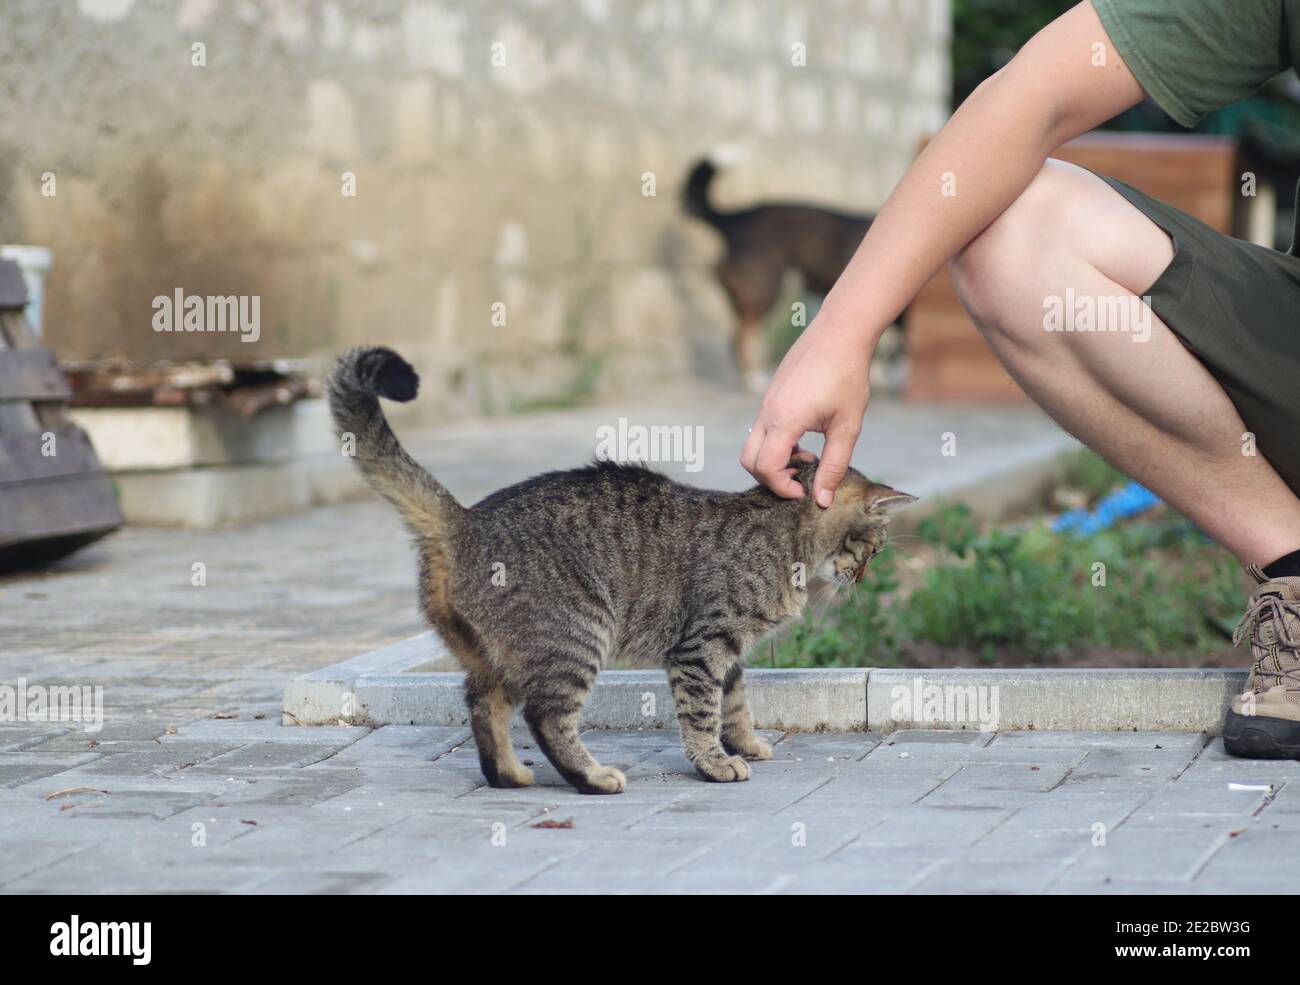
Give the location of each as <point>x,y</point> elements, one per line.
<point>500,150</point>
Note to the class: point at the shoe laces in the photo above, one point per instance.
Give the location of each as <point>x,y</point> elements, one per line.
<point>1272,607</point>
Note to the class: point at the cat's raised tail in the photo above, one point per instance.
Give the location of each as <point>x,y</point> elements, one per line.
<point>361,376</point>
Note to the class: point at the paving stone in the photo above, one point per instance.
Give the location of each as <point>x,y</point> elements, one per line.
<point>272,755</point>
<point>938,737</point>
<point>1071,811</point>
<point>988,877</point>
<point>276,839</point>
<point>1105,886</point>
<point>531,872</point>
<point>713,879</point>
<point>1171,855</point>
<point>1253,859</point>
<point>831,747</point>
<point>106,869</point>
<point>299,788</point>
<point>978,752</point>
<point>1146,767</point>
<point>400,746</point>
<point>628,860</point>
<point>28,851</point>
<point>996,785</point>
<point>115,736</point>
<point>247,732</point>
<point>149,758</point>
<point>1060,848</point>
<point>871,791</point>
<point>1200,799</point>
<point>1190,742</point>
<point>917,827</point>
<point>17,736</point>
<point>30,765</point>
<point>295,882</point>
<point>119,801</point>
<point>864,870</point>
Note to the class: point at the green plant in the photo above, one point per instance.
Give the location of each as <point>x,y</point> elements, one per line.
<point>1154,586</point>
<point>1149,587</point>
<point>952,529</point>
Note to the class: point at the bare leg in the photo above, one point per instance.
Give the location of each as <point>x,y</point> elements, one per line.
<point>1150,407</point>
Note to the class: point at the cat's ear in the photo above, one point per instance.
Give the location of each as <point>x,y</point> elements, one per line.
<point>805,468</point>
<point>883,499</point>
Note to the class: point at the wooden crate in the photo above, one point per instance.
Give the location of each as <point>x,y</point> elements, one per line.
<point>947,357</point>
<point>54,495</point>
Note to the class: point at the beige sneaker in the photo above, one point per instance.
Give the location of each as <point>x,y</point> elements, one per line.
<point>1264,722</point>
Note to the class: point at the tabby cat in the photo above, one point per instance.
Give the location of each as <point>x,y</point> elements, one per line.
<point>537,586</point>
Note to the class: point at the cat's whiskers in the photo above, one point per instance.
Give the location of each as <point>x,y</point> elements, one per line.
<point>818,616</point>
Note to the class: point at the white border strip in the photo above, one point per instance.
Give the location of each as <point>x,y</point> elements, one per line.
<point>379,688</point>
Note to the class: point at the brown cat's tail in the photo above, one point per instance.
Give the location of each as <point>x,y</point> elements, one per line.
<point>359,378</point>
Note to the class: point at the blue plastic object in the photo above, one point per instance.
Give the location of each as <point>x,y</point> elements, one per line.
<point>1119,505</point>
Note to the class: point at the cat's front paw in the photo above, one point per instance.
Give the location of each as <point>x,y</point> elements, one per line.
<point>750,746</point>
<point>603,779</point>
<point>721,768</point>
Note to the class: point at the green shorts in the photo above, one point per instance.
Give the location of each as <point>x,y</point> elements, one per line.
<point>1236,306</point>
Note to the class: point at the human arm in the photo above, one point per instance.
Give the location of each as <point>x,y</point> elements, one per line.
<point>1060,85</point>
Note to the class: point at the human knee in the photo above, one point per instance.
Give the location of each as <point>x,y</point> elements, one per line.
<point>1007,266</point>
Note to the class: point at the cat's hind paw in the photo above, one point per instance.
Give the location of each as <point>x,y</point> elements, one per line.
<point>513,775</point>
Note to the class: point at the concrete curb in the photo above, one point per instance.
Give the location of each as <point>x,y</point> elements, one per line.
<point>397,685</point>
<point>1082,699</point>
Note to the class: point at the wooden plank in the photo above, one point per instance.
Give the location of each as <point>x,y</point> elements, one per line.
<point>31,374</point>
<point>13,289</point>
<point>15,330</point>
<point>16,334</point>
<point>50,504</point>
<point>14,417</point>
<point>23,455</point>
<point>18,417</point>
<point>80,504</point>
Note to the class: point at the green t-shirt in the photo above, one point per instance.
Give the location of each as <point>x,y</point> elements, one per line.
<point>1195,56</point>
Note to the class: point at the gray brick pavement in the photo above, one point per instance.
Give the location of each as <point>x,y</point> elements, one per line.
<point>229,805</point>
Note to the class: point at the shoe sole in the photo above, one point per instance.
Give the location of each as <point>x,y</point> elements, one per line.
<point>1259,737</point>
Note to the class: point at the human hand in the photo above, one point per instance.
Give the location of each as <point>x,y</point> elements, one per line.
<point>822,385</point>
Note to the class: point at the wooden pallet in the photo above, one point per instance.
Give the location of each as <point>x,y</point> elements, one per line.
<point>54,495</point>
<point>947,357</point>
